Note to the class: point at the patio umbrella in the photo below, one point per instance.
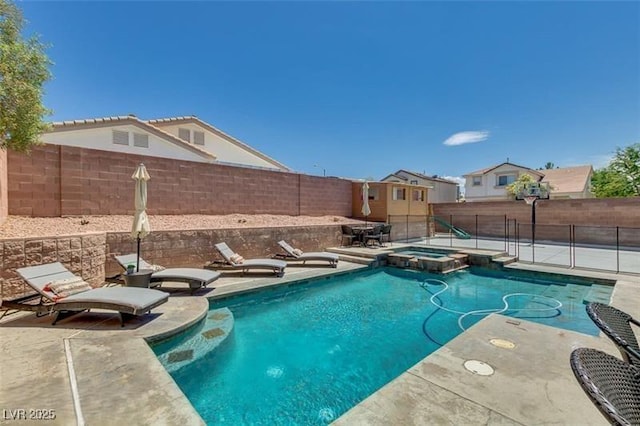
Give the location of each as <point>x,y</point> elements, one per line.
<point>140,227</point>
<point>366,210</point>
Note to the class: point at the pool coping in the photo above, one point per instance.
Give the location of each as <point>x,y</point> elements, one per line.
<point>42,357</point>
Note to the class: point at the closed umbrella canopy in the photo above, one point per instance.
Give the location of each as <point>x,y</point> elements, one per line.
<point>141,227</point>
<point>366,210</point>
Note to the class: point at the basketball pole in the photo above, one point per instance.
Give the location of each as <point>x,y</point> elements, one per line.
<point>533,222</point>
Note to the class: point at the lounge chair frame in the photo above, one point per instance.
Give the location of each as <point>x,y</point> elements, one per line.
<point>195,277</point>
<point>38,276</point>
<point>277,266</point>
<point>307,256</point>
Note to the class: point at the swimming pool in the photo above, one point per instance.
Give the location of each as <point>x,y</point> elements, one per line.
<point>307,353</point>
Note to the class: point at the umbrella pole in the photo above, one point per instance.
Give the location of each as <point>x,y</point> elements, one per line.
<point>138,258</point>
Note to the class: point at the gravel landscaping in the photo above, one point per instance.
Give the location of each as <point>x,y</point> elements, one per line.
<point>22,226</point>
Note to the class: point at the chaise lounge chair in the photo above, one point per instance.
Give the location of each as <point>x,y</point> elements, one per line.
<point>195,277</point>
<point>296,254</point>
<point>46,279</point>
<point>238,262</point>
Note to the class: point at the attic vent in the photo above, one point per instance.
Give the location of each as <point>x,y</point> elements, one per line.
<point>120,137</point>
<point>141,140</point>
<point>198,138</point>
<point>184,134</point>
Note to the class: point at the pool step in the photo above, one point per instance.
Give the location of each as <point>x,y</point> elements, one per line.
<point>598,293</point>
<point>505,260</point>
<point>205,338</point>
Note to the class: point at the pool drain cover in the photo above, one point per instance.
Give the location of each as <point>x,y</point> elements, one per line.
<point>502,343</point>
<point>478,367</point>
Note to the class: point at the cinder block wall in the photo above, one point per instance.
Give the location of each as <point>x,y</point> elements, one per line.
<point>68,181</point>
<point>83,255</point>
<point>91,255</point>
<point>624,212</point>
<point>595,219</point>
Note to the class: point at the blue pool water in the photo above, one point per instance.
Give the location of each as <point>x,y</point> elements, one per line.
<point>306,354</point>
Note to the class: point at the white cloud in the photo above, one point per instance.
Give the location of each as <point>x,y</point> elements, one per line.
<point>467,137</point>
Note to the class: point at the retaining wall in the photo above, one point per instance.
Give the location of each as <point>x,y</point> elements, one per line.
<point>57,180</point>
<point>84,255</point>
<point>91,255</point>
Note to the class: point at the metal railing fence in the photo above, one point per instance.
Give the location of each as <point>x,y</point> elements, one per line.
<point>605,248</point>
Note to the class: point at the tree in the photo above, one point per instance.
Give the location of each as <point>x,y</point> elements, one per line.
<point>24,68</point>
<point>518,185</point>
<point>621,178</point>
<point>548,166</point>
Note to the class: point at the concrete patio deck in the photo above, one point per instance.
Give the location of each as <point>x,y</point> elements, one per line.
<point>90,370</point>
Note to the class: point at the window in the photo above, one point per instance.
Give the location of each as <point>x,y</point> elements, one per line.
<point>414,182</point>
<point>504,180</point>
<point>120,137</point>
<point>141,140</point>
<point>184,134</point>
<point>477,181</point>
<point>373,194</point>
<point>418,195</point>
<point>198,138</point>
<point>399,193</point>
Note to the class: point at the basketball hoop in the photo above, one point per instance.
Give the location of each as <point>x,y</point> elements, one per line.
<point>530,199</point>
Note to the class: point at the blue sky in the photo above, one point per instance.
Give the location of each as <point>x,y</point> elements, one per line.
<point>361,89</point>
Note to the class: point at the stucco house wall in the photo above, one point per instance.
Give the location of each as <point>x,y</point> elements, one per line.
<point>224,150</point>
<point>101,138</point>
<point>489,190</point>
<point>440,191</point>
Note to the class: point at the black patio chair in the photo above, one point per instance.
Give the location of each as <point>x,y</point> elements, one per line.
<point>347,234</point>
<point>386,233</point>
<point>374,235</point>
<point>611,384</point>
<point>617,326</point>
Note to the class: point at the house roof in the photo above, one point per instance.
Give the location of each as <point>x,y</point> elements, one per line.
<point>60,126</point>
<point>419,175</point>
<point>159,122</point>
<point>568,179</point>
<point>487,170</point>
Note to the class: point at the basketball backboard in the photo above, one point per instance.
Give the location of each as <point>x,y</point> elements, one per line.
<point>533,189</point>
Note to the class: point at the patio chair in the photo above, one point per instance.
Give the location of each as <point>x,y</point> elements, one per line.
<point>617,326</point>
<point>64,293</point>
<point>296,254</point>
<point>195,277</point>
<point>236,261</point>
<point>347,234</point>
<point>386,234</point>
<point>611,384</point>
<point>374,235</point>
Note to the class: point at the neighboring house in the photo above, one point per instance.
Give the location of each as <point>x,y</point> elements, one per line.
<point>180,138</point>
<point>491,184</point>
<point>441,190</point>
<point>390,199</point>
<point>569,182</point>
